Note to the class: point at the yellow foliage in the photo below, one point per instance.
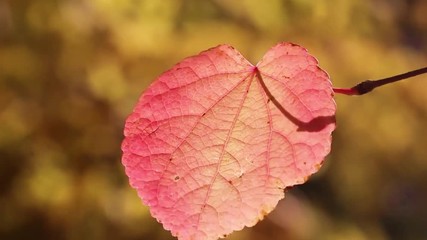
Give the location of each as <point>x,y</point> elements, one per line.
<point>70,72</point>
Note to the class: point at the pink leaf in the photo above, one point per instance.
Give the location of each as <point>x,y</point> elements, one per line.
<point>213,142</point>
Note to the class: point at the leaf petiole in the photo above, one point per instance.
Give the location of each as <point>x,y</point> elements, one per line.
<point>369,85</point>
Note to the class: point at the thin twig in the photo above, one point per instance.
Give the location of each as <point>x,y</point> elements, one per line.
<point>369,85</point>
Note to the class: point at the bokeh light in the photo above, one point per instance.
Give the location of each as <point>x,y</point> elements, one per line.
<point>71,71</point>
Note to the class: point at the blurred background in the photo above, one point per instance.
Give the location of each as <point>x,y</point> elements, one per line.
<point>72,70</point>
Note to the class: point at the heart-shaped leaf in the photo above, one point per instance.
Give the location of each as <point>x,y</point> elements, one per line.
<point>212,143</point>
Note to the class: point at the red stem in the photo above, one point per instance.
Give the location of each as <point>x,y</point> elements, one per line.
<point>369,85</point>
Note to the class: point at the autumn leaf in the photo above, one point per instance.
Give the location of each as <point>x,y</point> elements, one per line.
<point>212,143</point>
